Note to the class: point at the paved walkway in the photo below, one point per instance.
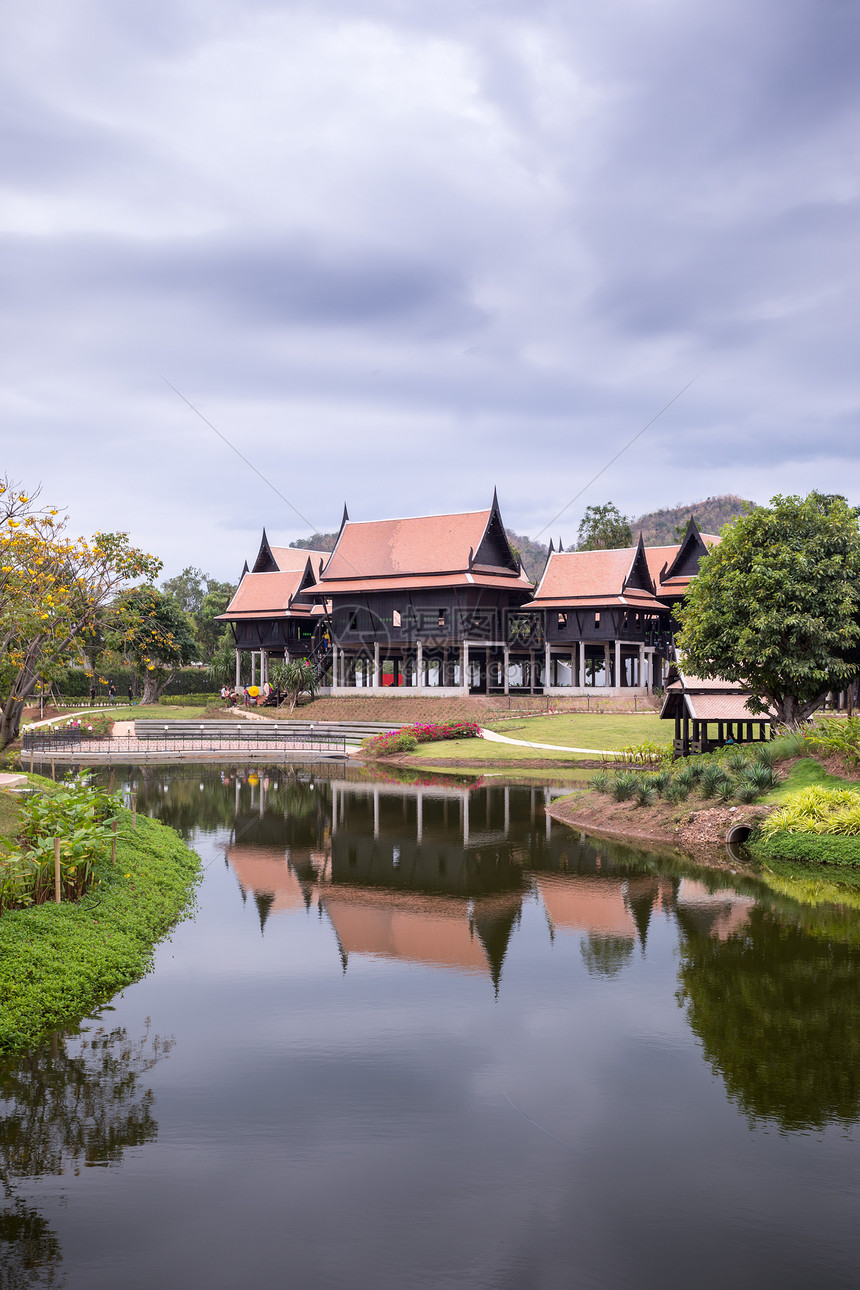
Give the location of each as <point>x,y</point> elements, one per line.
<point>67,716</point>
<point>525,743</point>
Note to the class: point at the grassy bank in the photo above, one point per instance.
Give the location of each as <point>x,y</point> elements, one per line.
<point>58,962</point>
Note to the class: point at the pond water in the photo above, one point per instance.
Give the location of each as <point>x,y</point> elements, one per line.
<point>418,1035</point>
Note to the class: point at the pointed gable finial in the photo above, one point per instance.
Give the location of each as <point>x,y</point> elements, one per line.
<point>560,547</point>
<point>345,518</point>
<point>244,571</point>
<point>551,550</point>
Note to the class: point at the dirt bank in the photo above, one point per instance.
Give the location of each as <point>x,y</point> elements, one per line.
<point>691,828</point>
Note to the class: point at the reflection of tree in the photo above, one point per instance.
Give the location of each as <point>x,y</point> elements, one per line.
<point>30,1253</point>
<point>778,1014</point>
<point>606,955</point>
<point>62,1109</point>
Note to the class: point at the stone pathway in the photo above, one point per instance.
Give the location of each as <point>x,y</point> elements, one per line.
<point>67,716</point>
<point>525,743</point>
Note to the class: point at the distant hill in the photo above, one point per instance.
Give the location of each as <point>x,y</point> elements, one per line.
<point>317,542</point>
<point>532,554</point>
<point>660,528</point>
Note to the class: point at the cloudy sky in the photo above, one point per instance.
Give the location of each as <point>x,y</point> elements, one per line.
<point>399,252</point>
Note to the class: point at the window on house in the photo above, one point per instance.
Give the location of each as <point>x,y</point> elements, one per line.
<point>562,620</point>
<point>395,618</point>
<point>353,620</point>
<point>597,619</point>
<point>442,618</point>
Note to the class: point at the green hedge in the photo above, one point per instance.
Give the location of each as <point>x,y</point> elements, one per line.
<point>58,962</point>
<point>72,683</point>
<point>190,700</point>
<point>806,848</point>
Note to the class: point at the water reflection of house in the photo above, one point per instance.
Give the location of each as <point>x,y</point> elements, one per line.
<point>279,881</point>
<point>720,913</point>
<point>436,931</point>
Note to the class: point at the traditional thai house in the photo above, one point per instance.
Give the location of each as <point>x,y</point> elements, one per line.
<point>602,621</point>
<point>429,605</point>
<point>440,604</point>
<point>709,714</point>
<point>271,613</point>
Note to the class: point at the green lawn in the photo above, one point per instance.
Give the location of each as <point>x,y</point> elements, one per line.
<point>802,774</point>
<point>588,730</point>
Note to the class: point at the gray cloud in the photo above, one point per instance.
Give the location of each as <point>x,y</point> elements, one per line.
<point>405,253</point>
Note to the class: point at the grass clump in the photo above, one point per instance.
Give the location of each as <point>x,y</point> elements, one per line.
<point>834,811</point>
<point>623,785</point>
<point>600,782</point>
<point>645,794</point>
<point>58,962</point>
<point>712,780</point>
<point>678,791</point>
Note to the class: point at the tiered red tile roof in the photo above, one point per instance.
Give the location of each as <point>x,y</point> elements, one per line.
<point>590,580</point>
<point>271,594</point>
<point>408,554</point>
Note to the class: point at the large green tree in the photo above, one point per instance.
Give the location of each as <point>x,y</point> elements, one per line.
<point>202,598</point>
<point>775,605</point>
<point>603,528</point>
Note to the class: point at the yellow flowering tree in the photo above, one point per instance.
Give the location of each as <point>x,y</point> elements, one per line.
<point>53,589</point>
<point>151,630</point>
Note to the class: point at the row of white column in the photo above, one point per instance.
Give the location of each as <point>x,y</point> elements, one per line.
<point>646,661</point>
<point>259,658</point>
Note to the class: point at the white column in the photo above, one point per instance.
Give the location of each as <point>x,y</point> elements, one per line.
<point>582,665</point>
<point>238,669</point>
<point>376,677</point>
<point>464,666</point>
<point>253,667</point>
<point>547,674</point>
<point>606,677</point>
<point>507,667</point>
<point>642,680</point>
<point>335,677</point>
<point>419,665</point>
<point>618,663</point>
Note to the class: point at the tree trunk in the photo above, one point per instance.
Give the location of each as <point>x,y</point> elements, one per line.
<point>154,685</point>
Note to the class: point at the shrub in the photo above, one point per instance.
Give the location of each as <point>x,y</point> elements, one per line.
<point>600,782</point>
<point>81,817</point>
<point>661,781</point>
<point>712,779</point>
<point>695,768</point>
<point>761,776</point>
<point>677,791</point>
<point>817,810</point>
<point>839,735</point>
<point>687,778</point>
<point>645,794</point>
<point>648,753</point>
<point>726,791</point>
<point>94,725</point>
<point>746,792</point>
<point>737,761</point>
<point>394,741</point>
<point>623,785</point>
<point>764,755</point>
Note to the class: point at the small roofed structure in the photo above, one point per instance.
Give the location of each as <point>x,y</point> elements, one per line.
<point>711,714</point>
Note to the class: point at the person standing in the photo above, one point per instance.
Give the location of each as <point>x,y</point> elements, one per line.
<point>112,692</point>
<point>130,697</point>
<point>92,693</point>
